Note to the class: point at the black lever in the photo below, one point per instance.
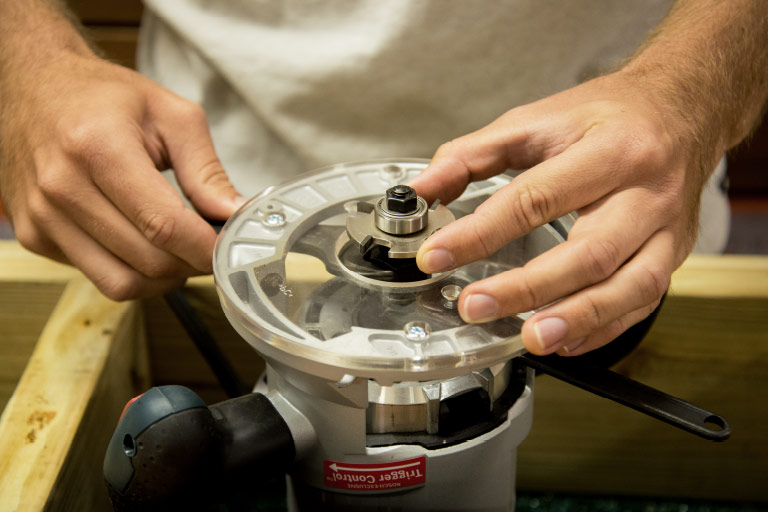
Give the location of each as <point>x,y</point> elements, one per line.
<point>650,401</point>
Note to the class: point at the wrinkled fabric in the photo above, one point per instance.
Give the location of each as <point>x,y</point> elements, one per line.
<point>293,85</point>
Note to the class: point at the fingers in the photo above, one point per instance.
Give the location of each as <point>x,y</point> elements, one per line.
<point>85,186</point>
<point>33,239</point>
<point>600,311</point>
<point>606,334</point>
<point>112,277</point>
<point>198,170</point>
<point>599,243</point>
<point>581,175</point>
<point>85,205</point>
<point>519,139</point>
<point>127,177</point>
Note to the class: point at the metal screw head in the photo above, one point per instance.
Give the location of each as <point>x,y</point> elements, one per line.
<point>402,199</point>
<point>391,173</point>
<point>450,294</point>
<point>275,219</point>
<point>417,331</point>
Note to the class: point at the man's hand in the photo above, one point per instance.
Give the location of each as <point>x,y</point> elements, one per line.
<point>599,150</point>
<point>629,152</point>
<point>82,142</point>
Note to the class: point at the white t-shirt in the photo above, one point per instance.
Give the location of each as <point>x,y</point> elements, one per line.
<point>293,85</point>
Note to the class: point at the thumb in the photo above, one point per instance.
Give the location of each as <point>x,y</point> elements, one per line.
<point>198,170</point>
<point>208,187</point>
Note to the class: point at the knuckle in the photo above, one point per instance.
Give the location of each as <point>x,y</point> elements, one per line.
<point>646,311</point>
<point>445,149</point>
<point>157,268</point>
<point>38,212</point>
<point>213,174</point>
<point>628,320</point>
<point>191,113</point>
<point>119,286</point>
<point>527,293</point>
<point>54,184</point>
<point>30,237</point>
<point>651,283</point>
<point>593,318</point>
<point>531,206</point>
<point>643,148</point>
<point>620,325</point>
<point>603,257</point>
<point>158,228</point>
<point>454,150</point>
<point>81,138</point>
<point>481,234</point>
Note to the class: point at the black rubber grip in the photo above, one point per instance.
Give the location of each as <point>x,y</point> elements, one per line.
<point>171,451</point>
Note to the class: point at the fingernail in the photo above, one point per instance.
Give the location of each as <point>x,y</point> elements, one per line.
<point>239,201</point>
<point>480,308</point>
<point>437,260</point>
<point>573,345</point>
<point>549,331</point>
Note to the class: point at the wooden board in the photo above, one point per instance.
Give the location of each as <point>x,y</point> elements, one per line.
<point>31,286</point>
<point>87,363</point>
<point>709,346</point>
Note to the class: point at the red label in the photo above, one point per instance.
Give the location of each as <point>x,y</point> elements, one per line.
<point>387,476</point>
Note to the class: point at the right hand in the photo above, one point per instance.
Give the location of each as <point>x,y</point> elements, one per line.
<point>82,141</point>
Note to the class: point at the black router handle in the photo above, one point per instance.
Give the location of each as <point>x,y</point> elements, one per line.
<point>648,400</point>
<point>170,451</point>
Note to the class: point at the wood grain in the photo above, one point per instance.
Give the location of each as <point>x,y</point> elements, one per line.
<point>18,265</point>
<point>709,346</point>
<point>30,286</point>
<point>54,429</point>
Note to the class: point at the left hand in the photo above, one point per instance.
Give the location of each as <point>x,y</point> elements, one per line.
<point>621,156</point>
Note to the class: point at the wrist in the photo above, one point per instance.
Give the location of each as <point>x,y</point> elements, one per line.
<point>32,37</point>
<point>707,61</point>
<point>684,101</point>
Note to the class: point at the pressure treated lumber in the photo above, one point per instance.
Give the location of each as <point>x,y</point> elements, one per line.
<point>30,286</point>
<point>88,361</point>
<point>709,346</point>
<point>18,265</point>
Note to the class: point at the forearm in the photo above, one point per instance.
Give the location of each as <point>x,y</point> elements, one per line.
<point>32,33</point>
<point>709,59</point>
<point>35,36</point>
